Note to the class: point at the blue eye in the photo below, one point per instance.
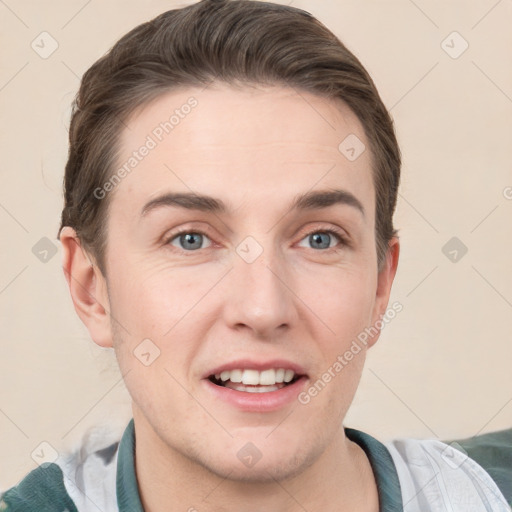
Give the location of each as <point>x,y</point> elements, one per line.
<point>191,241</point>
<point>188,240</point>
<point>321,239</point>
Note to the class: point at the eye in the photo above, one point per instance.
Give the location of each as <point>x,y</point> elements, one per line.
<point>321,239</point>
<point>188,240</point>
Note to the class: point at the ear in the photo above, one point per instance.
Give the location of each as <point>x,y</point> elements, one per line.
<point>88,288</point>
<point>384,282</point>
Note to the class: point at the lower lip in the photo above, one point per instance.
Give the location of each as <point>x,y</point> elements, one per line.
<point>258,402</point>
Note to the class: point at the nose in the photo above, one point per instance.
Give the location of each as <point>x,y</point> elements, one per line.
<point>259,295</point>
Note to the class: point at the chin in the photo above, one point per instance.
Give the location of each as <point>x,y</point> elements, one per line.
<point>245,463</point>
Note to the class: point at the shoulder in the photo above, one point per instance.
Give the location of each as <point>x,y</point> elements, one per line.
<point>493,452</point>
<point>42,489</point>
<point>473,473</point>
<point>72,483</point>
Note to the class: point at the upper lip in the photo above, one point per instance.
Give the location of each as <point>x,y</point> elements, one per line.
<point>252,364</point>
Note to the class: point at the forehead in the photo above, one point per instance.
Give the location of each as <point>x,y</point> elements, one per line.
<point>262,143</point>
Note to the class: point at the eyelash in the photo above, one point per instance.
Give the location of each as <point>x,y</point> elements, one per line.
<point>338,233</point>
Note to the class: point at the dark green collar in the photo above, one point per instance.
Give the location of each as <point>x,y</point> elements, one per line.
<point>388,485</point>
<point>384,470</point>
<point>128,499</point>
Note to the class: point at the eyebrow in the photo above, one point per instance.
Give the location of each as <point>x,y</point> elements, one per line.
<point>313,200</point>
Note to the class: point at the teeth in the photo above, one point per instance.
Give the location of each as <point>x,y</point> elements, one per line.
<point>268,377</point>
<point>266,389</point>
<point>246,377</point>
<point>250,377</point>
<point>288,375</point>
<point>236,376</point>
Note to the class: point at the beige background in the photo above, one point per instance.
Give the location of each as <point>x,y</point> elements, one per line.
<point>441,369</point>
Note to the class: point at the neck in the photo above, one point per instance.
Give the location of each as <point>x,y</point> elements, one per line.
<point>340,480</point>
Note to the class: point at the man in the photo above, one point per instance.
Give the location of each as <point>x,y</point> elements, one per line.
<point>227,230</point>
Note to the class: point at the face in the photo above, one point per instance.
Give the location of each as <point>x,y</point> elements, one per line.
<point>245,298</point>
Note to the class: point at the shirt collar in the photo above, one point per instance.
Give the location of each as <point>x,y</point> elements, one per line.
<point>128,499</point>
<point>386,477</point>
<point>384,470</point>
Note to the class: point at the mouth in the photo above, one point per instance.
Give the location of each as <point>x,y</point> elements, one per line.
<point>255,381</point>
<point>249,385</point>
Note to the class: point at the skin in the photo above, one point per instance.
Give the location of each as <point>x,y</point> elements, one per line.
<point>256,149</point>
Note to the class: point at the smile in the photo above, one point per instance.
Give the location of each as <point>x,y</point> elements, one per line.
<point>256,386</point>
<point>254,381</point>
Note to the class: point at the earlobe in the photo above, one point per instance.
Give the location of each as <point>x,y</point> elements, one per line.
<point>87,287</point>
<point>384,283</point>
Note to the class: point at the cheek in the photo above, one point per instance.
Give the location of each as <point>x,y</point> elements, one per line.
<point>163,305</point>
<point>342,300</point>
<point>154,296</point>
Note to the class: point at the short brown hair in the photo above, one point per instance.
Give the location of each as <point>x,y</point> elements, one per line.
<point>230,41</point>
